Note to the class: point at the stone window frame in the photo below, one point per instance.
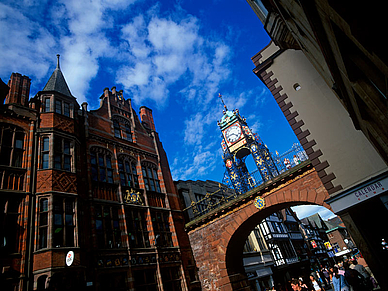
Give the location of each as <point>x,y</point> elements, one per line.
<point>171,278</point>
<point>65,221</point>
<point>52,153</point>
<point>97,167</point>
<point>161,227</point>
<point>150,177</point>
<point>65,154</point>
<point>139,231</point>
<point>124,175</point>
<point>43,227</point>
<point>45,152</point>
<point>14,151</point>
<point>46,104</point>
<point>110,231</point>
<point>56,104</point>
<point>122,128</point>
<point>10,208</point>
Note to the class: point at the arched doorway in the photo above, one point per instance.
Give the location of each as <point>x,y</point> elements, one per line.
<point>215,241</point>
<point>281,247</point>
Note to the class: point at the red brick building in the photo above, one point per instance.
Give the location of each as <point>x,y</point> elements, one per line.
<point>87,197</point>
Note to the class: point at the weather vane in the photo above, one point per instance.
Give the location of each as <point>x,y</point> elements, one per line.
<point>220,96</point>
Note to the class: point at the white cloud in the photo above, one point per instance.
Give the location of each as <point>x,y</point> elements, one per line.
<point>198,125</point>
<point>86,41</point>
<point>21,44</point>
<point>197,165</point>
<point>303,211</point>
<point>158,51</point>
<point>36,31</point>
<point>150,54</point>
<point>173,50</point>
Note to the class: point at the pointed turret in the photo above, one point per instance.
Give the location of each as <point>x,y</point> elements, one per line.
<point>57,82</point>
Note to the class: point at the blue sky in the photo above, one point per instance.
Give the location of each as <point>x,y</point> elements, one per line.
<point>171,56</point>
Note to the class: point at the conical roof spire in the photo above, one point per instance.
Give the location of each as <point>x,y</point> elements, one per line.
<point>57,82</point>
<point>58,55</point>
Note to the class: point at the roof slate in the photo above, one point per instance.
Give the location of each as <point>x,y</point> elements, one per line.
<point>57,83</point>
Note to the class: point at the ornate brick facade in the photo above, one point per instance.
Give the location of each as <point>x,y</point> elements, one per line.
<point>218,239</point>
<point>93,185</point>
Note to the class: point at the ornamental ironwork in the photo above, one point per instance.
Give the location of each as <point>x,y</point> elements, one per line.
<point>227,192</point>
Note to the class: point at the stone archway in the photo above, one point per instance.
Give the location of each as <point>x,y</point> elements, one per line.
<point>215,242</point>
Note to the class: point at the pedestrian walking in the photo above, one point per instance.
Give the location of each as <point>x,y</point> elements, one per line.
<point>326,275</point>
<point>316,284</point>
<point>339,281</point>
<point>295,285</point>
<point>360,268</point>
<point>354,278</point>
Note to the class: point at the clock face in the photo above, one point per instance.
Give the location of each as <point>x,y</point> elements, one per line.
<point>233,133</point>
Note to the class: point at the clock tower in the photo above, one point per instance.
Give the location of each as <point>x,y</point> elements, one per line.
<point>238,141</point>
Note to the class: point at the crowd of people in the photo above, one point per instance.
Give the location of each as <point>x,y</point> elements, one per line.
<point>345,276</point>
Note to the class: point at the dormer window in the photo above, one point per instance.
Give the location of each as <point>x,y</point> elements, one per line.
<point>122,128</point>
<point>116,127</point>
<point>128,132</point>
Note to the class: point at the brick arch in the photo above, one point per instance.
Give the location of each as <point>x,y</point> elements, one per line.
<point>216,243</point>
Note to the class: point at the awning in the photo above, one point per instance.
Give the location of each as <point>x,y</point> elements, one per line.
<point>342,253</point>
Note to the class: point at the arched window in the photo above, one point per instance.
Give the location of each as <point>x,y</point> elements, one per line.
<point>117,130</point>
<point>128,172</point>
<point>150,176</point>
<point>11,145</point>
<point>101,164</point>
<point>128,133</point>
<point>122,128</point>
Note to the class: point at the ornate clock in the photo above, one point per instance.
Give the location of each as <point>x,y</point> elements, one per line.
<point>233,133</point>
<point>239,142</point>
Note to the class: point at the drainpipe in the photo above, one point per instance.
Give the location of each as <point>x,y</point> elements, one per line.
<point>32,201</point>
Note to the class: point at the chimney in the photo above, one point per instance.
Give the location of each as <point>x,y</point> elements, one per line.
<point>106,92</point>
<point>19,91</point>
<point>146,118</point>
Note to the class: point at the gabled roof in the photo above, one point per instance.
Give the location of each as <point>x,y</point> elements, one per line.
<point>334,223</point>
<point>57,82</point>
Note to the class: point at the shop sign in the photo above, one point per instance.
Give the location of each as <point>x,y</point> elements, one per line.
<point>361,194</point>
<point>328,245</point>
